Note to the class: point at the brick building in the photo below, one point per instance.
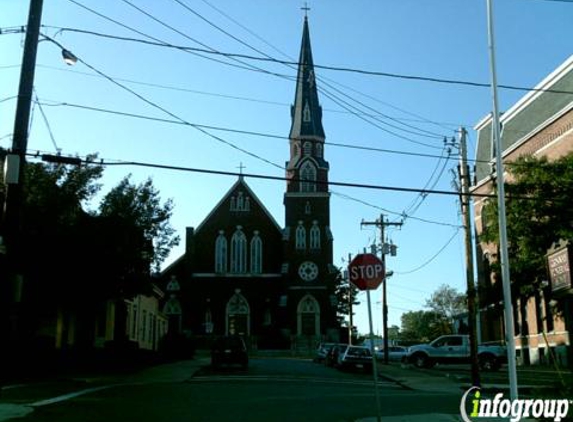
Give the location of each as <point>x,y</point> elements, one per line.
<point>539,124</point>
<point>242,272</point>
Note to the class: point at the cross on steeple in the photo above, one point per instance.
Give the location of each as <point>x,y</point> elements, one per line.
<point>241,167</point>
<point>305,8</point>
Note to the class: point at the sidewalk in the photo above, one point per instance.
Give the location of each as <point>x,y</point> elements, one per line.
<point>18,400</point>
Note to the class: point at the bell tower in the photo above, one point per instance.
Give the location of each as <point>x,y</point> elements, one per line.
<point>308,239</point>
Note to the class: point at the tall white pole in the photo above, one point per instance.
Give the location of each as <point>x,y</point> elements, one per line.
<point>504,256</point>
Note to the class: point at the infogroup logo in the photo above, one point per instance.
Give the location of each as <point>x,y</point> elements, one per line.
<point>515,410</point>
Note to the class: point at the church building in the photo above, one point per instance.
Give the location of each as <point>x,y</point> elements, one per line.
<point>243,273</point>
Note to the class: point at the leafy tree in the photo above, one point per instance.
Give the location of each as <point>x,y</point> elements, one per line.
<point>52,214</point>
<point>422,326</point>
<point>343,290</point>
<point>140,207</point>
<point>447,302</point>
<point>538,212</point>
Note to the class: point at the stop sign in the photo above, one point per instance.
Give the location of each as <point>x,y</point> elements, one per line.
<point>366,271</point>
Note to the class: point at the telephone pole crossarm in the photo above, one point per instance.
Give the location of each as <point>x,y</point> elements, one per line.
<point>382,223</point>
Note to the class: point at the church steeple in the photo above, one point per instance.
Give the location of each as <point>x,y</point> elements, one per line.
<point>306,112</point>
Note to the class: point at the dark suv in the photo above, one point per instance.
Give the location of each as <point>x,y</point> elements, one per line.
<point>229,350</point>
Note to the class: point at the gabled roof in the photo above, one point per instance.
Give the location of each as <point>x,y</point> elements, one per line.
<point>240,183</point>
<point>534,111</point>
<point>306,95</point>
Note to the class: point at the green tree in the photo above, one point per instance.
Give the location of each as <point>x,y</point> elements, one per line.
<point>447,302</point>
<point>421,326</point>
<point>538,212</point>
<point>342,290</point>
<point>139,207</point>
<point>52,213</point>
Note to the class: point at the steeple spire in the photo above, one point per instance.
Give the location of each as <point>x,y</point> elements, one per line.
<point>306,112</point>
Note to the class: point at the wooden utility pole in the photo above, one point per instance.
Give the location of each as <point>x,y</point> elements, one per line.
<point>471,290</point>
<point>382,224</point>
<point>350,303</point>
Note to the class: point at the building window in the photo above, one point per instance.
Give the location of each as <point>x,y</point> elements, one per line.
<point>307,149</point>
<point>307,177</point>
<point>239,252</point>
<point>221,253</point>
<point>134,323</point>
<point>256,254</point>
<point>308,317</point>
<point>300,237</point>
<point>319,150</point>
<point>315,236</point>
<point>307,208</point>
<point>240,203</point>
<point>306,113</point>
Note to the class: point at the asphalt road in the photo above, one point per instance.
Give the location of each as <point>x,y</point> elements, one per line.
<point>270,390</point>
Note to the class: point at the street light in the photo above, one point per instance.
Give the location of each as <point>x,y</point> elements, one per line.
<point>69,58</point>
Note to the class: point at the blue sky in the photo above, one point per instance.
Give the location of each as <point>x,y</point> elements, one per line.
<point>444,39</point>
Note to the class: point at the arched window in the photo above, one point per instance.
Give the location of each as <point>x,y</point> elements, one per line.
<point>300,237</point>
<point>238,315</point>
<point>307,149</point>
<point>221,253</point>
<point>319,150</point>
<point>306,113</point>
<point>315,236</point>
<point>239,251</point>
<point>308,177</point>
<point>256,254</point>
<point>308,316</point>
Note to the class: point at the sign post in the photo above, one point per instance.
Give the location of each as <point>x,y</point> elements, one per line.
<point>366,272</point>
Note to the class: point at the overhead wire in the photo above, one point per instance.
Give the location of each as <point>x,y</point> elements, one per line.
<point>344,104</point>
<point>46,121</point>
<point>53,103</point>
<point>420,119</point>
<point>429,261</point>
<point>169,113</point>
<point>319,66</point>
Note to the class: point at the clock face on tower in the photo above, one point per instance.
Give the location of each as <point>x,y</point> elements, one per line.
<point>308,271</point>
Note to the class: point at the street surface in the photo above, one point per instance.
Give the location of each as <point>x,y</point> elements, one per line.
<point>270,390</point>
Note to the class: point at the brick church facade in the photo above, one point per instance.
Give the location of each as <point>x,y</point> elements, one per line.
<point>242,273</point>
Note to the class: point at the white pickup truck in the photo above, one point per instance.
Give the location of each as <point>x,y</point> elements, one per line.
<point>455,349</point>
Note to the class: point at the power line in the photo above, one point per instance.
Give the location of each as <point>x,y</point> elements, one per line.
<point>46,121</point>
<point>325,92</point>
<point>318,66</point>
<point>108,162</point>
<point>243,132</point>
<point>231,97</point>
<point>431,259</point>
<point>169,113</point>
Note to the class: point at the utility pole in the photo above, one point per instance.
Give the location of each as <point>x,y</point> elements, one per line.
<point>350,303</point>
<point>503,242</point>
<point>471,291</point>
<point>16,161</point>
<point>382,224</point>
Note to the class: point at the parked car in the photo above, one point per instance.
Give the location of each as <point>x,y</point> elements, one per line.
<point>331,358</point>
<point>229,350</point>
<point>455,349</point>
<point>321,351</point>
<point>355,357</point>
<point>395,353</point>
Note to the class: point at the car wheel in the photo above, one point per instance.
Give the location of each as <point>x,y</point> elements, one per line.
<point>488,362</point>
<point>421,360</point>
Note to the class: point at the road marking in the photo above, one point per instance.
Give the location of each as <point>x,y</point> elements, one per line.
<point>218,378</point>
<point>69,396</point>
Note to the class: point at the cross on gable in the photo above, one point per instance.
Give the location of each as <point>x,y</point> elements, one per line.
<point>241,167</point>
